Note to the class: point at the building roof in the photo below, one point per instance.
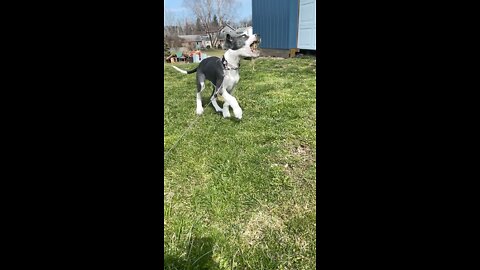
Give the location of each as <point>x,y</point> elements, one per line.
<point>225,27</point>
<point>204,37</point>
<point>243,28</point>
<point>191,37</point>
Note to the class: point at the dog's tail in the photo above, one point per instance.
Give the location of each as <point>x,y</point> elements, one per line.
<point>184,71</point>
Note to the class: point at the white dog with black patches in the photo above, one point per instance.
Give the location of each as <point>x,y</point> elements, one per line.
<point>223,73</point>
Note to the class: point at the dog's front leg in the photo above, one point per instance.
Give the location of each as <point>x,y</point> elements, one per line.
<point>226,112</point>
<point>232,101</point>
<point>215,104</point>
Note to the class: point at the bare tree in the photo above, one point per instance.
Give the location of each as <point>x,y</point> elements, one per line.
<point>224,10</point>
<point>205,10</point>
<point>172,24</point>
<point>189,27</point>
<point>168,18</point>
<point>198,27</point>
<point>245,22</point>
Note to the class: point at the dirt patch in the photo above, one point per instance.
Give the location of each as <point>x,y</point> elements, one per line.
<point>258,224</point>
<point>302,150</point>
<point>167,197</point>
<point>303,157</point>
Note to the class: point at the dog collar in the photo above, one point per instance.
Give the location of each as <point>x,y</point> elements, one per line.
<point>225,64</point>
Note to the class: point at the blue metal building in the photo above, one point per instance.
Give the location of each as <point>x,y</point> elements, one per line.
<point>285,24</point>
<point>276,22</point>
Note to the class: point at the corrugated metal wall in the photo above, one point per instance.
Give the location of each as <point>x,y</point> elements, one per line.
<point>276,21</point>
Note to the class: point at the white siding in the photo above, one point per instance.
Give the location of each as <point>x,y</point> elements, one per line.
<point>307,25</point>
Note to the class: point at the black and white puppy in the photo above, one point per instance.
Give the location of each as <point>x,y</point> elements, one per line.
<point>223,73</point>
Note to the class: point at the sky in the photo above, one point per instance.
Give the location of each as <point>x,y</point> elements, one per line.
<point>176,8</point>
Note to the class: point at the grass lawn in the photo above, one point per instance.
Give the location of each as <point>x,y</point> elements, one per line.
<point>214,52</point>
<point>241,194</point>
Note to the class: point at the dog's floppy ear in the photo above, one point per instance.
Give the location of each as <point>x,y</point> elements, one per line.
<point>228,41</point>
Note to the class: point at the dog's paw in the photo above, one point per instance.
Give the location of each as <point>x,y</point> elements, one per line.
<point>219,110</point>
<point>238,113</point>
<point>226,113</point>
<point>199,111</point>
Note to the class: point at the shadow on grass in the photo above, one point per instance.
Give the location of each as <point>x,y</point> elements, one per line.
<point>198,257</point>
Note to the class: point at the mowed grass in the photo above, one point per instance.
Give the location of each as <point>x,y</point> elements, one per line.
<point>214,52</point>
<point>241,194</point>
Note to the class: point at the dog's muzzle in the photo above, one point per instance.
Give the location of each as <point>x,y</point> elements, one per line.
<point>255,44</point>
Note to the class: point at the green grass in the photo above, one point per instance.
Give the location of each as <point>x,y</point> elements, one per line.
<point>214,52</point>
<point>241,194</point>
